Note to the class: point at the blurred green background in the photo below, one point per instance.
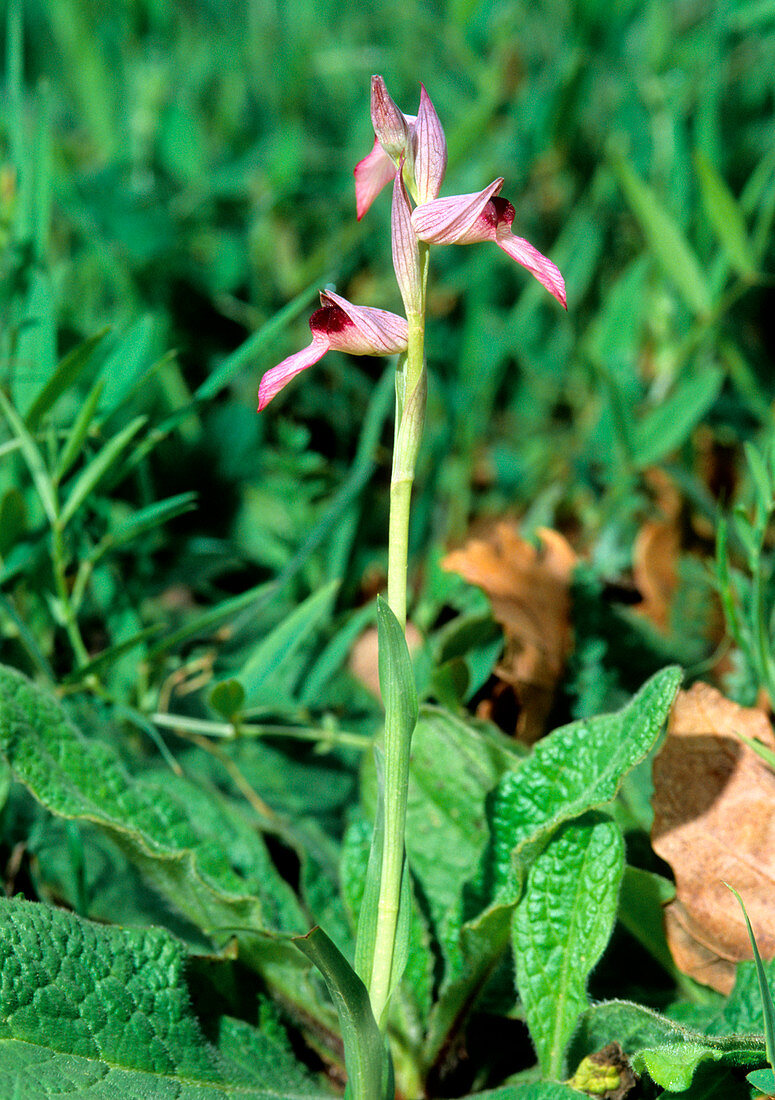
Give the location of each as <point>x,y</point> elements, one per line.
<point>180,173</point>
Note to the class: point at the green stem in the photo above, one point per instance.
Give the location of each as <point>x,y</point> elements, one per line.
<point>410,417</point>
<point>70,621</point>
<point>226,731</point>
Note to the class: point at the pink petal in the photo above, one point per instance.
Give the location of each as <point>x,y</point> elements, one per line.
<point>547,273</point>
<point>275,379</point>
<point>430,150</point>
<point>371,175</point>
<point>450,220</point>
<point>406,253</point>
<point>370,331</point>
<point>390,124</point>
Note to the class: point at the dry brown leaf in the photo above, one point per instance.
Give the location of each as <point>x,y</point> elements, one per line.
<point>654,561</point>
<point>530,594</point>
<point>714,822</point>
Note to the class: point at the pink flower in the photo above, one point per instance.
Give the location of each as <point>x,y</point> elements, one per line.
<point>338,326</point>
<point>419,139</point>
<point>468,219</point>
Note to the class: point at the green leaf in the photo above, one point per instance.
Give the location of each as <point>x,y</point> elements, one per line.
<point>575,769</point>
<point>561,927</point>
<point>666,242</point>
<point>539,1090</point>
<point>71,451</point>
<point>66,375</point>
<point>227,698</point>
<point>666,427</point>
<point>284,640</point>
<point>364,1048</point>
<point>33,458</point>
<point>103,1013</point>
<point>724,214</point>
<point>454,767</point>
<point>161,827</point>
<point>641,902</point>
<point>667,1051</point>
<point>768,1009</point>
<point>762,1079</point>
<point>96,469</point>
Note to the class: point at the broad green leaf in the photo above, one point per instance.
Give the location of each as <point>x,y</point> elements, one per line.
<point>575,769</point>
<point>103,1013</point>
<point>454,766</point>
<point>364,1047</point>
<point>762,1079</point>
<point>666,427</point>
<point>665,240</point>
<point>227,698</point>
<point>724,214</point>
<point>66,375</point>
<point>561,927</point>
<point>98,467</point>
<point>284,640</point>
<point>162,832</point>
<point>667,1051</point>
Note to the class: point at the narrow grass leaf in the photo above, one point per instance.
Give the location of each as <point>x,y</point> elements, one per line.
<point>666,242</point>
<point>209,620</point>
<point>725,215</point>
<point>561,927</point>
<point>285,639</point>
<point>76,437</point>
<point>64,377</point>
<point>668,426</point>
<point>768,1009</point>
<point>33,458</point>
<point>100,465</point>
<point>364,1048</point>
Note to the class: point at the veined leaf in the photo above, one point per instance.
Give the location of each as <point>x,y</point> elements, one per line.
<point>561,927</point>
<point>160,829</point>
<point>103,1013</point>
<point>667,243</point>
<point>577,768</point>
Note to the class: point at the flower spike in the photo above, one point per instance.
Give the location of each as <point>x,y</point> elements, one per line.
<point>468,219</point>
<point>406,252</point>
<point>419,139</point>
<point>338,326</point>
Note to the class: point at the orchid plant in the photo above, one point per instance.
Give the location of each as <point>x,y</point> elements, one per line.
<point>411,152</point>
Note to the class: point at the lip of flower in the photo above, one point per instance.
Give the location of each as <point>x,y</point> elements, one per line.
<point>469,219</point>
<point>418,138</point>
<point>338,326</point>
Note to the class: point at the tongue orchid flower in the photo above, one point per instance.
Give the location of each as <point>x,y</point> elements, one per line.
<point>338,326</point>
<point>418,139</point>
<point>468,219</point>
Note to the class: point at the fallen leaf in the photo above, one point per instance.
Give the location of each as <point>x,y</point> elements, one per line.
<point>656,551</point>
<point>714,823</point>
<point>654,561</point>
<point>530,594</point>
